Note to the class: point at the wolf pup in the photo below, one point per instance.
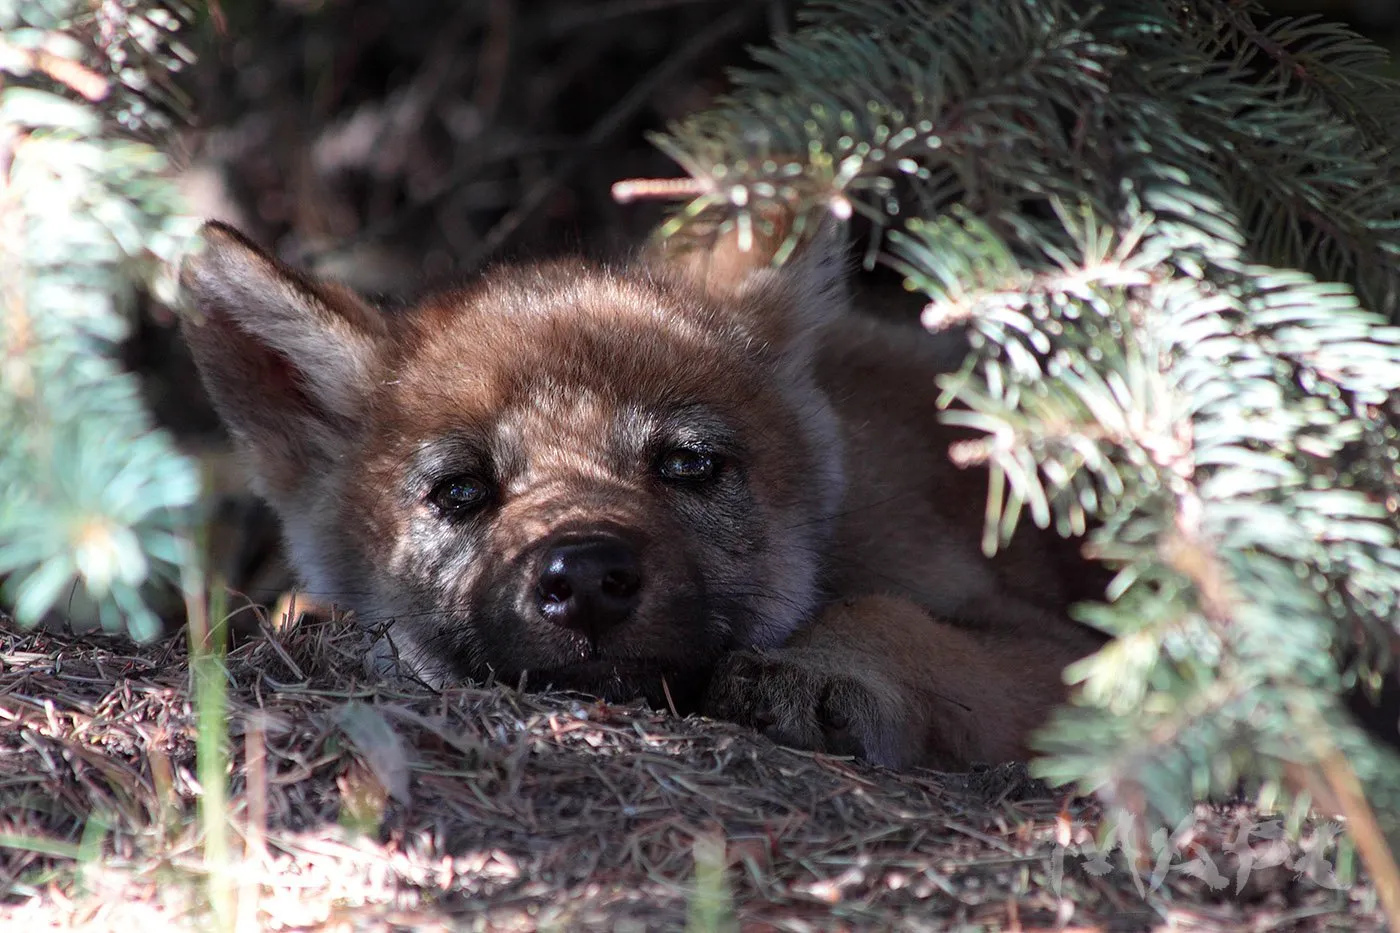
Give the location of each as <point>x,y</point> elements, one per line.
<point>697,479</point>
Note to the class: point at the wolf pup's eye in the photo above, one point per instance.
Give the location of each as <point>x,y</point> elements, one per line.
<point>686,465</point>
<point>458,495</point>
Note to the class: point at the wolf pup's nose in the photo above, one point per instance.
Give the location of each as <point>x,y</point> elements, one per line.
<point>589,584</point>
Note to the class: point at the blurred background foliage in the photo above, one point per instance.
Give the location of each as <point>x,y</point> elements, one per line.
<point>93,500</point>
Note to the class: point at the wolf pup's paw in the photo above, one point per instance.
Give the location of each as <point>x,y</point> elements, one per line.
<point>802,704</point>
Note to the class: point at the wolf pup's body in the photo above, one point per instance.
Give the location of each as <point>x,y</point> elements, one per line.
<point>697,479</point>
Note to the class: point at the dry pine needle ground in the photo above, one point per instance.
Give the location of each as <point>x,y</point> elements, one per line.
<point>356,805</point>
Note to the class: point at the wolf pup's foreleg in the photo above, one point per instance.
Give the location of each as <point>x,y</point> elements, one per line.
<point>879,678</point>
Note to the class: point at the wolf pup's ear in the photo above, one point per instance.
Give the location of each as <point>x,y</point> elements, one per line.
<point>288,362</point>
<point>735,265</point>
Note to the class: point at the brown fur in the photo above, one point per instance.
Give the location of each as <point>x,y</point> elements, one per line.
<point>796,589</point>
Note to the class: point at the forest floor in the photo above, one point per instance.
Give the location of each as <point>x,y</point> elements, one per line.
<point>333,801</point>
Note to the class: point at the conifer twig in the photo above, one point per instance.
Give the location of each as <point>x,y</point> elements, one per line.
<point>75,76</point>
<point>634,189</point>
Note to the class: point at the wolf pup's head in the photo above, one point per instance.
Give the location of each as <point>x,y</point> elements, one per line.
<point>567,474</point>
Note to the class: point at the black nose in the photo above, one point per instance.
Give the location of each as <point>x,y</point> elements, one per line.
<point>589,584</point>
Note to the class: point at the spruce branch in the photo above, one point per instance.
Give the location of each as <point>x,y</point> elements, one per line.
<point>89,490</point>
<point>1153,220</point>
<point>1327,61</point>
